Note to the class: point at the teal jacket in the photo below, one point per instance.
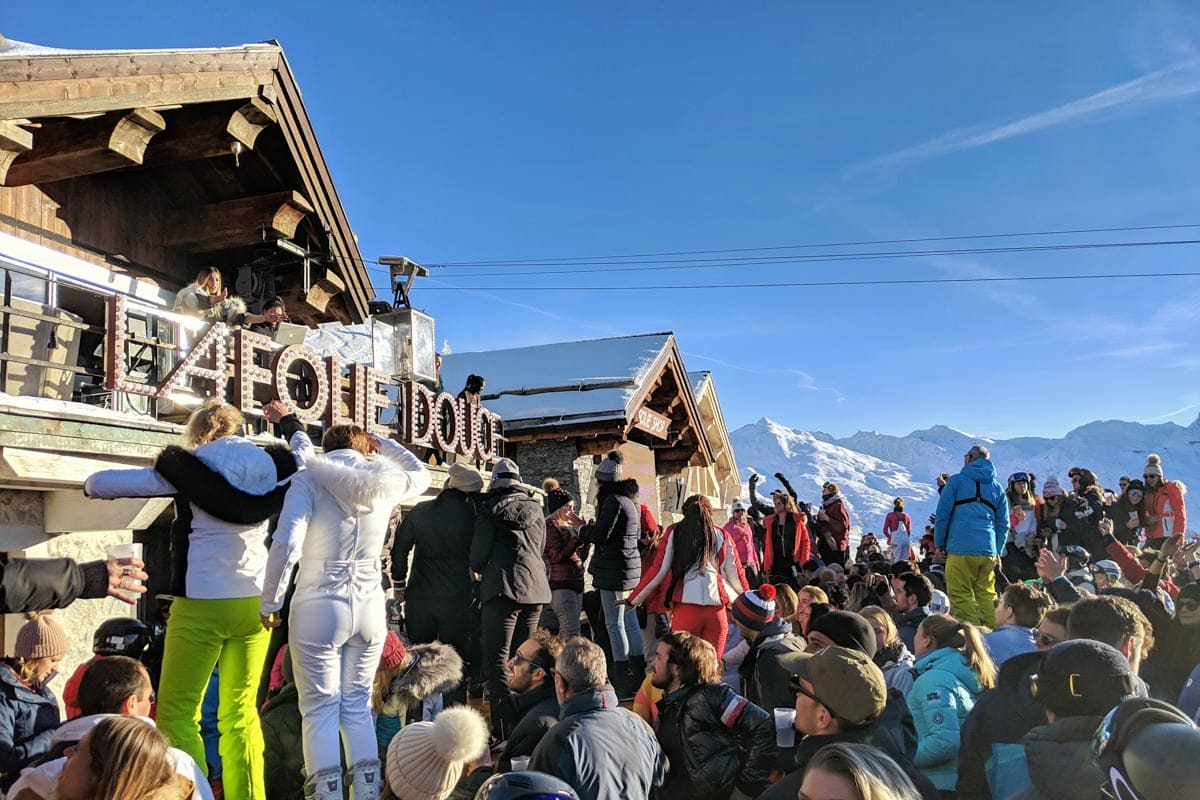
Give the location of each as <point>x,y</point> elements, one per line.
<point>943,693</point>
<point>972,512</point>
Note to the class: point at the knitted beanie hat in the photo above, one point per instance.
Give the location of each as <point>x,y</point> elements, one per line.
<point>610,468</point>
<point>41,637</point>
<point>393,652</point>
<point>1051,488</point>
<point>426,759</point>
<point>755,608</point>
<point>556,499</point>
<point>1153,466</point>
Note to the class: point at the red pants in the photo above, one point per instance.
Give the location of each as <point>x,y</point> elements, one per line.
<point>707,622</point>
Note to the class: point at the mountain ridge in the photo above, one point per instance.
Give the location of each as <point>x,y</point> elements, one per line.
<point>872,468</point>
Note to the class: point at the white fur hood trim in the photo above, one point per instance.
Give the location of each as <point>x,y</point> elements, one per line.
<point>358,485</point>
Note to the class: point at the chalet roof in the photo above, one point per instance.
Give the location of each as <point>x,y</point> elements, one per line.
<point>593,390</point>
<point>594,379</point>
<point>167,119</point>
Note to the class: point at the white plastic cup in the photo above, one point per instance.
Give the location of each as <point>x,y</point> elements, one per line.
<point>520,763</point>
<point>785,727</point>
<point>130,550</point>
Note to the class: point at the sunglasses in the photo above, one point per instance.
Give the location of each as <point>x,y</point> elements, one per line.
<point>517,658</point>
<point>1045,639</point>
<point>1148,477</point>
<point>1187,604</point>
<point>795,685</point>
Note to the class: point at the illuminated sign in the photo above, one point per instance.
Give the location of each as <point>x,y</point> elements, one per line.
<point>332,393</point>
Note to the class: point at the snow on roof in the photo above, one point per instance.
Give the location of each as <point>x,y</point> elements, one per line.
<point>11,48</point>
<point>583,381</point>
<point>698,379</point>
<point>63,409</point>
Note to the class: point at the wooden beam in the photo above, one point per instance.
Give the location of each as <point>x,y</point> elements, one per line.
<point>70,148</point>
<point>59,98</point>
<point>14,140</point>
<point>234,223</point>
<point>205,131</point>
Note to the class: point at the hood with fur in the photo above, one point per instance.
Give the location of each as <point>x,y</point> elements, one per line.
<point>358,485</point>
<point>433,668</point>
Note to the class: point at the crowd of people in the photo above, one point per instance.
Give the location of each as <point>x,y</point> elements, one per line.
<point>1033,643</point>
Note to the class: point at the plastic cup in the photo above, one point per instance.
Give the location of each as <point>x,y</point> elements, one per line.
<point>520,763</point>
<point>130,550</point>
<point>785,727</point>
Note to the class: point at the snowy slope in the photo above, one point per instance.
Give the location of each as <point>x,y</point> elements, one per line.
<point>872,468</point>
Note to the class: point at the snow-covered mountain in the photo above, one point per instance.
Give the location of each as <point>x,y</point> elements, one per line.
<point>872,468</point>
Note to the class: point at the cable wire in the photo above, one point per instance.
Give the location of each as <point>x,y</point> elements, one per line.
<point>822,258</point>
<point>815,284</point>
<point>1061,232</point>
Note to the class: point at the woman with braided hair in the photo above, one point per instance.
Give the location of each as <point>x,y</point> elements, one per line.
<point>695,574</point>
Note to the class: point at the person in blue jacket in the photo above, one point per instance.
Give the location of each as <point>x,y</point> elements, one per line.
<point>972,525</point>
<point>952,669</point>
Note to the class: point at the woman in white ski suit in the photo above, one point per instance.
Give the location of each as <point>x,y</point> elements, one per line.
<point>334,522</point>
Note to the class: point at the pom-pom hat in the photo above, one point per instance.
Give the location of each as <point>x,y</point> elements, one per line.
<point>425,760</point>
<point>1153,466</point>
<point>41,637</point>
<point>610,468</point>
<point>755,608</point>
<point>1051,488</point>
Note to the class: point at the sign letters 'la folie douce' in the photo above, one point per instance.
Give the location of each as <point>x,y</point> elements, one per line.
<point>424,418</point>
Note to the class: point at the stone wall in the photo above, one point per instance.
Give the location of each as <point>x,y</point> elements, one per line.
<point>81,618</point>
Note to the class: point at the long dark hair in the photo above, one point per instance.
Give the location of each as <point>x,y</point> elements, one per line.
<point>695,537</point>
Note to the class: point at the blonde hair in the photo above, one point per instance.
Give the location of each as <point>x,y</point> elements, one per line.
<point>382,689</point>
<point>785,601</point>
<point>208,273</point>
<point>346,437</point>
<point>872,772</point>
<point>964,637</point>
<point>213,420</point>
<point>890,633</point>
<point>815,593</point>
<point>128,758</point>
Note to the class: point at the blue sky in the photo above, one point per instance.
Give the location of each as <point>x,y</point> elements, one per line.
<point>486,131</point>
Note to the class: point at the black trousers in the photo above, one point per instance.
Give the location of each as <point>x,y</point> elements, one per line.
<point>504,625</point>
<point>445,622</point>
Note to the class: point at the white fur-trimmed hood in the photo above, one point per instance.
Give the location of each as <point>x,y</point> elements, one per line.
<point>359,485</point>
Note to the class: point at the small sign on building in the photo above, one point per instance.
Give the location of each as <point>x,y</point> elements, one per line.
<point>652,422</point>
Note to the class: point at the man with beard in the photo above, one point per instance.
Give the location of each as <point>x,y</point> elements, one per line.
<point>532,707</point>
<point>832,526</point>
<point>719,744</point>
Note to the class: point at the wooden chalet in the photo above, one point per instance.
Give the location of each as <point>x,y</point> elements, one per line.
<point>567,404</point>
<point>121,174</point>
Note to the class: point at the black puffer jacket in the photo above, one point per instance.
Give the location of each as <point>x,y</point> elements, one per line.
<point>440,532</point>
<point>510,535</point>
<point>616,565</point>
<point>715,741</point>
<point>37,584</point>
